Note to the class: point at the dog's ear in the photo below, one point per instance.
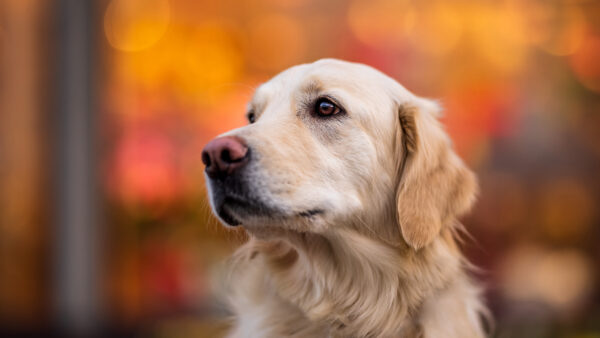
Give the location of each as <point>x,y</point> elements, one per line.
<point>434,184</point>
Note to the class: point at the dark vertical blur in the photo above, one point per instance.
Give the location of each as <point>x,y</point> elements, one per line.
<point>77,238</point>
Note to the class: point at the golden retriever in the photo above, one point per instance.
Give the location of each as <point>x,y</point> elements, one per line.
<point>350,191</point>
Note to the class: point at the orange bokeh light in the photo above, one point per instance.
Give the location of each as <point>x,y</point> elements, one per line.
<point>585,62</point>
<point>134,25</point>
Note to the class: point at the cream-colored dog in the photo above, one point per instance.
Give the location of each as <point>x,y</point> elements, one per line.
<point>350,191</point>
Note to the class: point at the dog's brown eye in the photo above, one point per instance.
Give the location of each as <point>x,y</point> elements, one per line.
<point>325,107</point>
<point>251,117</point>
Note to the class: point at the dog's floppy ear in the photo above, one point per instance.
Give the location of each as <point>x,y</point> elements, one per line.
<point>434,184</point>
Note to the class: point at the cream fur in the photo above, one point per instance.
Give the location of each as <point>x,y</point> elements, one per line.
<point>381,260</point>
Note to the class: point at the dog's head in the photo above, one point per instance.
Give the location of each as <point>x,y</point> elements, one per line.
<point>333,144</point>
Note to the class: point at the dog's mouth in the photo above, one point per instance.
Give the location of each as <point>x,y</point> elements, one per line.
<point>237,202</point>
<point>231,207</point>
<point>227,216</point>
<point>235,210</point>
<point>311,213</point>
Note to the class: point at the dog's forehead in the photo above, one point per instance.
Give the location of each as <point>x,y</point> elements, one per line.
<point>323,74</point>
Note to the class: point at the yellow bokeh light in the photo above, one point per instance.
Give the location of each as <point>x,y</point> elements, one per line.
<point>193,63</point>
<point>557,28</point>
<point>497,34</point>
<point>559,278</point>
<point>564,277</point>
<point>438,28</point>
<point>134,25</point>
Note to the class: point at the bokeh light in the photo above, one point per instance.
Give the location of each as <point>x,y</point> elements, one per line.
<point>559,278</point>
<point>275,42</point>
<point>585,62</point>
<point>133,25</point>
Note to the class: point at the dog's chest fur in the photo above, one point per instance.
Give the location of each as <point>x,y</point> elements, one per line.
<point>350,286</point>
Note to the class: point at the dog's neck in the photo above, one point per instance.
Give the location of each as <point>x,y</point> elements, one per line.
<point>358,285</point>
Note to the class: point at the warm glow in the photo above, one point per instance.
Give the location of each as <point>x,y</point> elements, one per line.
<point>438,29</point>
<point>134,25</point>
<point>568,32</point>
<point>180,72</point>
<point>107,105</point>
<point>380,21</point>
<point>585,63</point>
<point>558,278</point>
<point>566,202</point>
<point>497,36</point>
<point>275,42</point>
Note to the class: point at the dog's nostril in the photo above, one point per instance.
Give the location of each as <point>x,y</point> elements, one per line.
<point>206,158</point>
<point>226,156</point>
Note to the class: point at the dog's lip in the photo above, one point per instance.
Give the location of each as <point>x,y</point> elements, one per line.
<point>311,212</point>
<point>233,201</point>
<point>227,208</point>
<point>227,217</point>
<point>233,208</point>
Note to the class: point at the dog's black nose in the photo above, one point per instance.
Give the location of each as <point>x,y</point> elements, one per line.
<point>224,155</point>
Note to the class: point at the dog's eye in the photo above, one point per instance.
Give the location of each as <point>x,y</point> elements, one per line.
<point>324,107</point>
<point>251,117</point>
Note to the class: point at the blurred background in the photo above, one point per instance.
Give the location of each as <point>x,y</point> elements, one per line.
<point>105,106</point>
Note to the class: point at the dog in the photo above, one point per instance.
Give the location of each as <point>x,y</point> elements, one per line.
<point>350,191</point>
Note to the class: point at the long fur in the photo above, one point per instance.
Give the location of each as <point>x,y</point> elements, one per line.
<point>389,266</point>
